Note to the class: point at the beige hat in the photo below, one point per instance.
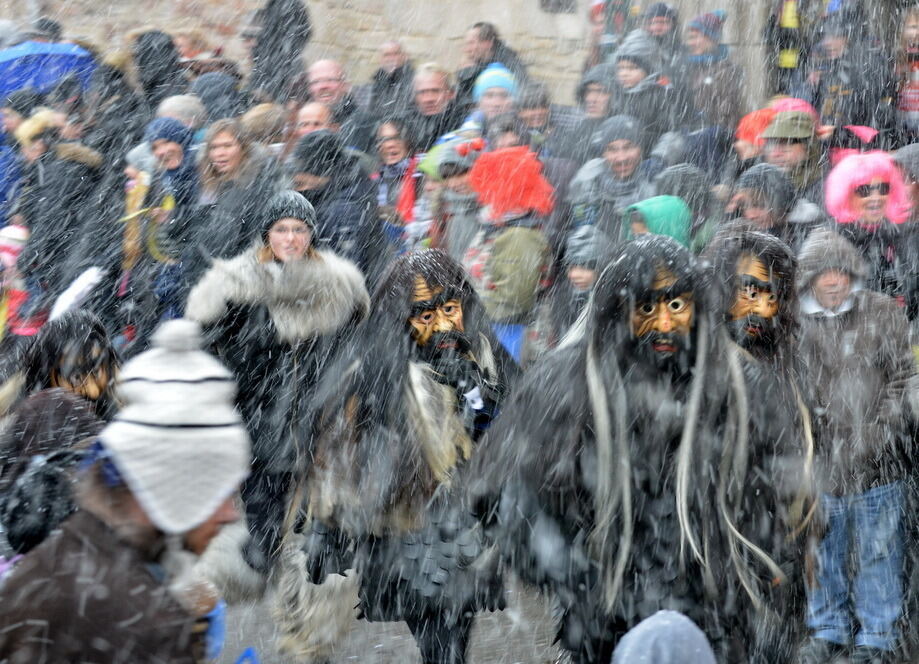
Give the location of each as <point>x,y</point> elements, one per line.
<point>794,125</point>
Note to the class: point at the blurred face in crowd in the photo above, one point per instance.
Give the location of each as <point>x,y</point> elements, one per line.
<point>786,153</point>
<point>623,157</point>
<point>629,74</point>
<point>432,94</point>
<point>187,47</point>
<point>831,288</point>
<point>289,239</point>
<point>34,150</point>
<point>534,118</point>
<point>309,182</point>
<point>869,201</point>
<point>11,120</point>
<point>225,153</point>
<point>582,278</point>
<point>168,154</point>
<point>459,183</point>
<point>659,26</point>
<point>699,44</point>
<point>131,176</point>
<point>390,145</point>
<point>912,187</point>
<point>596,101</point>
<point>327,82</point>
<point>638,225</point>
<point>755,303</point>
<point>753,206</point>
<point>834,46</point>
<point>434,312</point>
<point>509,139</point>
<point>911,30</point>
<point>495,101</point>
<point>475,48</point>
<point>197,539</point>
<point>391,56</point>
<point>313,117</point>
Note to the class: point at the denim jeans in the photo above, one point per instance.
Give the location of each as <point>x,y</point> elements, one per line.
<point>867,603</point>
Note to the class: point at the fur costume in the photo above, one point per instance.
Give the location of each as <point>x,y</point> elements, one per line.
<point>389,437</point>
<point>773,497</point>
<point>601,477</point>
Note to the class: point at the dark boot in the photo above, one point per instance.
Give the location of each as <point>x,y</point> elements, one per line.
<point>866,655</point>
<point>265,496</point>
<point>819,651</point>
<point>439,642</point>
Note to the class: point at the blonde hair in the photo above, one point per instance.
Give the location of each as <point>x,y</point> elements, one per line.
<point>264,123</point>
<point>434,69</point>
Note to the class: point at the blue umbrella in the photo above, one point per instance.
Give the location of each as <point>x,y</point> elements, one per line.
<point>41,65</point>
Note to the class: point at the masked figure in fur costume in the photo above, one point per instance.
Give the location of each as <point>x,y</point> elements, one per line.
<point>62,394</point>
<point>753,276</point>
<point>274,314</point>
<point>610,460</point>
<point>397,414</point>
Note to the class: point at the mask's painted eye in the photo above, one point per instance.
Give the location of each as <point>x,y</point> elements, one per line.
<point>647,308</point>
<point>449,309</point>
<point>771,299</point>
<point>677,304</point>
<point>427,317</point>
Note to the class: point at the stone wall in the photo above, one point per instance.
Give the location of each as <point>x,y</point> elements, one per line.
<point>553,45</point>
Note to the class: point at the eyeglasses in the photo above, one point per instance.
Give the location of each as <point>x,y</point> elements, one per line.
<point>864,190</point>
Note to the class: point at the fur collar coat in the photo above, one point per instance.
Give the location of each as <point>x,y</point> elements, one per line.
<point>304,299</point>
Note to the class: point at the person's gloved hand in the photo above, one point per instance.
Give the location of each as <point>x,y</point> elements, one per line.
<point>452,363</point>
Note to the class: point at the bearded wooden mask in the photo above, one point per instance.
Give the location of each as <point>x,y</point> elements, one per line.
<point>665,312</point>
<point>755,296</point>
<point>434,310</point>
<point>86,371</point>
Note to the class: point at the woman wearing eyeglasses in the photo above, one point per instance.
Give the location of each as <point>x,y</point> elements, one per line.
<point>867,197</point>
<point>272,314</point>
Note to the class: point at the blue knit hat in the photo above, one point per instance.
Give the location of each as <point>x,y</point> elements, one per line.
<point>709,24</point>
<point>495,75</point>
<point>169,129</point>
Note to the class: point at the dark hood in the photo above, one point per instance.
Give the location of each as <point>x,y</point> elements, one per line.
<point>219,94</point>
<point>604,74</point>
<point>772,183</point>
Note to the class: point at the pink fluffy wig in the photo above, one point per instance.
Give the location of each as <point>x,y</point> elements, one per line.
<point>795,104</point>
<point>859,169</point>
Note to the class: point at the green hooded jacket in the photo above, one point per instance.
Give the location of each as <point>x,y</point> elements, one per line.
<point>662,215</point>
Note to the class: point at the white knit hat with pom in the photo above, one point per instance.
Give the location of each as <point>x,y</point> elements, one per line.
<point>178,442</point>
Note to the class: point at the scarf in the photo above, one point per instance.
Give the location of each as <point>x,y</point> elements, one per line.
<point>709,58</point>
